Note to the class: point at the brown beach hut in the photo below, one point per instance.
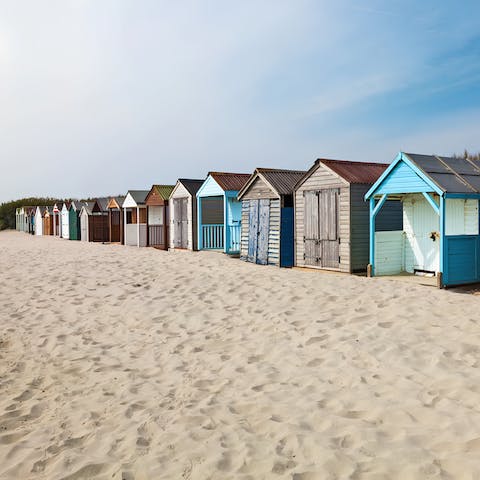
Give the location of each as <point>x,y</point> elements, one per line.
<point>158,216</point>
<point>115,220</point>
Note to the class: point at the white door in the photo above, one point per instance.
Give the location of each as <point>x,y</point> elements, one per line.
<point>84,228</point>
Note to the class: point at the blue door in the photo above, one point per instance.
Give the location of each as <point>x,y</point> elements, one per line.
<point>286,237</point>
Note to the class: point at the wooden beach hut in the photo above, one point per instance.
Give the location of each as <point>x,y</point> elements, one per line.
<point>84,216</point>
<point>267,235</point>
<point>18,219</point>
<point>48,221</point>
<point>74,220</point>
<point>440,234</point>
<point>98,221</point>
<point>30,220</point>
<point>57,219</point>
<point>39,214</point>
<point>115,220</point>
<point>135,218</point>
<point>331,216</point>
<point>183,214</point>
<point>219,212</point>
<point>158,215</point>
<point>65,217</point>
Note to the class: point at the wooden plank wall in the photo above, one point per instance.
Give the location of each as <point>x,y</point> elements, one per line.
<point>244,229</point>
<point>274,233</point>
<point>258,189</point>
<point>321,179</point>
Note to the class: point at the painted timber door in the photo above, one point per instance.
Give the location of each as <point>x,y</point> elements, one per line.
<point>321,228</point>
<point>258,231</point>
<point>180,212</point>
<point>328,227</point>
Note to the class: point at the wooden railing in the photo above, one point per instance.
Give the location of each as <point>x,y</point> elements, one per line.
<point>156,235</point>
<point>212,237</point>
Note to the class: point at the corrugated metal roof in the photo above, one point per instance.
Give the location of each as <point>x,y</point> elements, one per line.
<point>139,196</point>
<point>164,190</point>
<point>192,185</point>
<point>355,172</point>
<point>283,181</point>
<point>453,175</point>
<point>230,181</point>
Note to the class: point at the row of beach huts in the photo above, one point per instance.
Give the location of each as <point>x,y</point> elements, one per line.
<point>417,215</point>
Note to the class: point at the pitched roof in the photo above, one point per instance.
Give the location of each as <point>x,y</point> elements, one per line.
<point>191,185</point>
<point>164,190</point>
<point>118,200</point>
<point>282,181</point>
<point>230,181</point>
<point>451,174</point>
<point>355,172</point>
<point>139,196</point>
<point>102,203</point>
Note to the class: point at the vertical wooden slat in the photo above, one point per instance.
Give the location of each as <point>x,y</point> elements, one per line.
<point>253,231</point>
<point>263,229</point>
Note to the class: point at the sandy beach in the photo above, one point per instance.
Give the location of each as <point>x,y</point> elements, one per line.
<point>126,363</point>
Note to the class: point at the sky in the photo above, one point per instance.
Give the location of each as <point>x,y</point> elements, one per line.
<point>101,96</point>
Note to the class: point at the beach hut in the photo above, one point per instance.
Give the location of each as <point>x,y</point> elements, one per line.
<point>84,216</point>
<point>17,218</point>
<point>30,220</point>
<point>183,214</point>
<point>98,221</point>
<point>135,218</point>
<point>57,219</point>
<point>267,235</point>
<point>65,217</point>
<point>115,220</point>
<point>74,220</point>
<point>219,212</point>
<point>39,213</point>
<point>332,218</point>
<point>158,216</point>
<point>440,234</point>
<point>48,221</point>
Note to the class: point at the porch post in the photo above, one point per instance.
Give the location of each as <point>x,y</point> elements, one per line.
<point>125,226</point>
<point>442,246</point>
<point>226,233</point>
<point>138,226</point>
<point>371,267</point>
<point>199,223</point>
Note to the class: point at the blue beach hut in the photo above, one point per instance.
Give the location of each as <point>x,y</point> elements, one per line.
<point>440,233</point>
<point>219,212</point>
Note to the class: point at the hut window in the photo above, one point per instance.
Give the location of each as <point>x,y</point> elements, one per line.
<point>461,216</point>
<point>129,216</point>
<point>143,215</point>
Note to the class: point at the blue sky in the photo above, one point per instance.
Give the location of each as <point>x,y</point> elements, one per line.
<point>98,97</point>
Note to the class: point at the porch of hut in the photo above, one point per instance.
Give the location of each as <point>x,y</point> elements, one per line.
<point>219,212</point>
<point>115,220</point>
<point>440,235</point>
<point>135,218</point>
<point>157,202</point>
<point>267,234</point>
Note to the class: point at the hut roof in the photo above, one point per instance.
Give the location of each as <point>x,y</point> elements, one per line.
<point>283,181</point>
<point>454,175</point>
<point>355,172</point>
<point>139,196</point>
<point>102,203</point>
<point>164,190</point>
<point>230,181</point>
<point>191,185</point>
<point>115,200</point>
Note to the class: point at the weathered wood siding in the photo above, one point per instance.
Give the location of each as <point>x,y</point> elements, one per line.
<point>321,179</point>
<point>274,233</point>
<point>273,252</point>
<point>181,192</point>
<point>259,189</point>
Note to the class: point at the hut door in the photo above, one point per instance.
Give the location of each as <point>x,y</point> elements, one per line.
<point>263,230</point>
<point>312,248</point>
<point>181,222</point>
<point>184,224</point>
<point>258,230</point>
<point>328,227</point>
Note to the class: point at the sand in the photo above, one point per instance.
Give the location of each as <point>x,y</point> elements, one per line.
<point>126,363</point>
